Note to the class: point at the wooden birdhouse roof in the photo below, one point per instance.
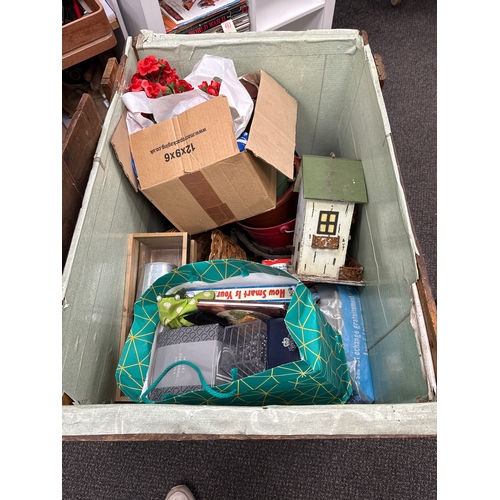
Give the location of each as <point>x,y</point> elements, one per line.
<point>336,179</point>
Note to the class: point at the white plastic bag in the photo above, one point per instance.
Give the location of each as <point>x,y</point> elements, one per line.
<point>163,108</point>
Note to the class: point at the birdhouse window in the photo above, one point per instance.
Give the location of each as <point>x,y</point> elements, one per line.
<point>327,223</point>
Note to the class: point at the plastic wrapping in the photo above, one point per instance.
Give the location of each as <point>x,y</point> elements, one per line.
<point>342,309</point>
<point>163,108</point>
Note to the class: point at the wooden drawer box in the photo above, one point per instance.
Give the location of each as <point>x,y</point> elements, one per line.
<point>144,248</point>
<point>88,36</point>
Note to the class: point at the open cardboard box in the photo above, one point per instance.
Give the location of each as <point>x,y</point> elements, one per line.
<point>190,166</point>
<point>333,77</point>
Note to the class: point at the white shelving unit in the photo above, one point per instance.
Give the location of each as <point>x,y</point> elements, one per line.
<point>141,14</point>
<point>265,15</point>
<point>290,15</point>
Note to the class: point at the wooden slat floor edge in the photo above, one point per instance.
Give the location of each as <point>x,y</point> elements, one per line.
<point>429,309</point>
<point>231,437</point>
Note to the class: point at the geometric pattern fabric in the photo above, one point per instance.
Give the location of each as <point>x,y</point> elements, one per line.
<point>321,376</point>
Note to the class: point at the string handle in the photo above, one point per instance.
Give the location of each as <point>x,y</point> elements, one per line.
<point>210,390</point>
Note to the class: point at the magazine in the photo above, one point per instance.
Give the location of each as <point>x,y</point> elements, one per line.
<point>183,12</point>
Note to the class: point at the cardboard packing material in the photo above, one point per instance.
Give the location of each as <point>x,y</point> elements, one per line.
<point>190,166</point>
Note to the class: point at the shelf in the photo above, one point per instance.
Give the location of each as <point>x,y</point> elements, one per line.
<point>270,16</point>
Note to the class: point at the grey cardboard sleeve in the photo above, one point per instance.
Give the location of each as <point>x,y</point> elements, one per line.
<point>200,345</point>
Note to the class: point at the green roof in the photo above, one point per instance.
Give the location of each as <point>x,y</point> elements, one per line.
<point>336,179</point>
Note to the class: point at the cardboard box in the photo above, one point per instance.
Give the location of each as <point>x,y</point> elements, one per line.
<point>145,248</point>
<point>333,76</point>
<point>190,166</point>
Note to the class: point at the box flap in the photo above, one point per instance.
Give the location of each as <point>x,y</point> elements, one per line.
<point>272,135</point>
<point>185,143</point>
<point>121,147</point>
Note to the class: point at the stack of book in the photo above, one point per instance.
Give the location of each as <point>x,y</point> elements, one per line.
<point>204,16</point>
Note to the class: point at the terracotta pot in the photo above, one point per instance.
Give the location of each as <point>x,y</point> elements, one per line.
<point>279,236</point>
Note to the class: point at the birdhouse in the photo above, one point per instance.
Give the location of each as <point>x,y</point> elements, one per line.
<point>329,189</point>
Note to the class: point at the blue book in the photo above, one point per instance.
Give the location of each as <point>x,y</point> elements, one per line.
<point>281,348</point>
<point>354,338</point>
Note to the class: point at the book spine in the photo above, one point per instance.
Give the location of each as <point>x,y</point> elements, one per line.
<point>241,23</point>
<point>214,24</point>
<point>209,24</point>
<point>211,21</point>
<point>169,12</point>
<point>264,293</point>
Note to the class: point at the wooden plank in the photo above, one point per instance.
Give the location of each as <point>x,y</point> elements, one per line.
<point>382,75</point>
<point>109,77</point>
<point>66,400</point>
<point>429,309</point>
<point>78,148</point>
<point>129,421</point>
<point>71,203</point>
<point>378,60</point>
<point>233,437</point>
<point>119,82</point>
<point>81,140</point>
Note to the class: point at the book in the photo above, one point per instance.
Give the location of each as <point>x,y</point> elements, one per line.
<point>281,293</point>
<point>214,24</point>
<point>241,23</point>
<point>181,13</point>
<point>213,21</point>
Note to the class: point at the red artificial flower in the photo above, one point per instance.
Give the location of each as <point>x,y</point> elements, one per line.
<point>147,65</point>
<point>182,86</point>
<point>212,89</point>
<point>135,84</point>
<point>152,89</point>
<point>157,78</point>
<point>167,77</point>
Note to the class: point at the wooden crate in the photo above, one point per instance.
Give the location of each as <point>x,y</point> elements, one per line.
<point>143,248</point>
<point>88,36</point>
<point>399,312</point>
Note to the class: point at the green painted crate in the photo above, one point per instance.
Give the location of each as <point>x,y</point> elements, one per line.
<point>333,76</point>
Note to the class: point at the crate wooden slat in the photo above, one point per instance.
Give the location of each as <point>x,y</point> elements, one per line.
<point>78,148</point>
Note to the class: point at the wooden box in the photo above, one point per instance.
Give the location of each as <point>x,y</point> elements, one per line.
<point>145,248</point>
<point>88,36</point>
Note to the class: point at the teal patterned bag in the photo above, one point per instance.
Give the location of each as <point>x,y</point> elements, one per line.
<point>321,376</point>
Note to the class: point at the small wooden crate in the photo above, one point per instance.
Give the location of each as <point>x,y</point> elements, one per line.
<point>88,36</point>
<point>144,248</point>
